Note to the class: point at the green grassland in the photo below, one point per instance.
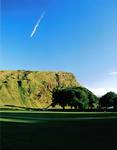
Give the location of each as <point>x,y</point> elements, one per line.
<point>30,130</point>
<point>35,116</point>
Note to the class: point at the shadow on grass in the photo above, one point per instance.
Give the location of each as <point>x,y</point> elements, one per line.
<point>79,135</point>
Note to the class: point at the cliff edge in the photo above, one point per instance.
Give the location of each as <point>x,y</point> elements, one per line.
<point>31,89</point>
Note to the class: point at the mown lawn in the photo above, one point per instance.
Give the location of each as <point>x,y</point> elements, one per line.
<point>22,130</point>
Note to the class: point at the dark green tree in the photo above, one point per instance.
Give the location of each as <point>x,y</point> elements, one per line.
<point>115,103</point>
<point>107,100</point>
<point>82,98</point>
<point>77,97</point>
<point>59,98</point>
<point>93,100</point>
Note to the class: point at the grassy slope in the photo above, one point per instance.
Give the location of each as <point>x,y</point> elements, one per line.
<point>31,89</point>
<point>58,135</point>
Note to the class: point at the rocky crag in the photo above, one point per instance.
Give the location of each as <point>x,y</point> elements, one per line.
<point>31,89</point>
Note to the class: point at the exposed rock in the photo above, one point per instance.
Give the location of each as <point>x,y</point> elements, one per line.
<point>32,88</point>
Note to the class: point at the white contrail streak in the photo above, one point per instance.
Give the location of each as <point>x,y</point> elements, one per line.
<point>37,24</point>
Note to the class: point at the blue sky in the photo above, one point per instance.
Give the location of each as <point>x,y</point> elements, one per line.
<point>78,36</point>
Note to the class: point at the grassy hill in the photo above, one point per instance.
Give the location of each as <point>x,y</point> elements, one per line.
<point>31,88</point>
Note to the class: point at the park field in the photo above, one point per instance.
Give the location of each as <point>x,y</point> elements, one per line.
<point>31,130</point>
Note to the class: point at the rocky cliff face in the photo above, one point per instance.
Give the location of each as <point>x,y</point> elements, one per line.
<point>32,88</point>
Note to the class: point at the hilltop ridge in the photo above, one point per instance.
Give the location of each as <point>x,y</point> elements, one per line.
<point>32,89</point>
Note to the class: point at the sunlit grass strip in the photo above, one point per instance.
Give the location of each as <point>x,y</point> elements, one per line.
<point>40,119</point>
<point>54,112</point>
<point>14,120</point>
<point>57,114</point>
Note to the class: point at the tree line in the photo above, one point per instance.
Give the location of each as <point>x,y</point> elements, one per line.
<point>81,98</point>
